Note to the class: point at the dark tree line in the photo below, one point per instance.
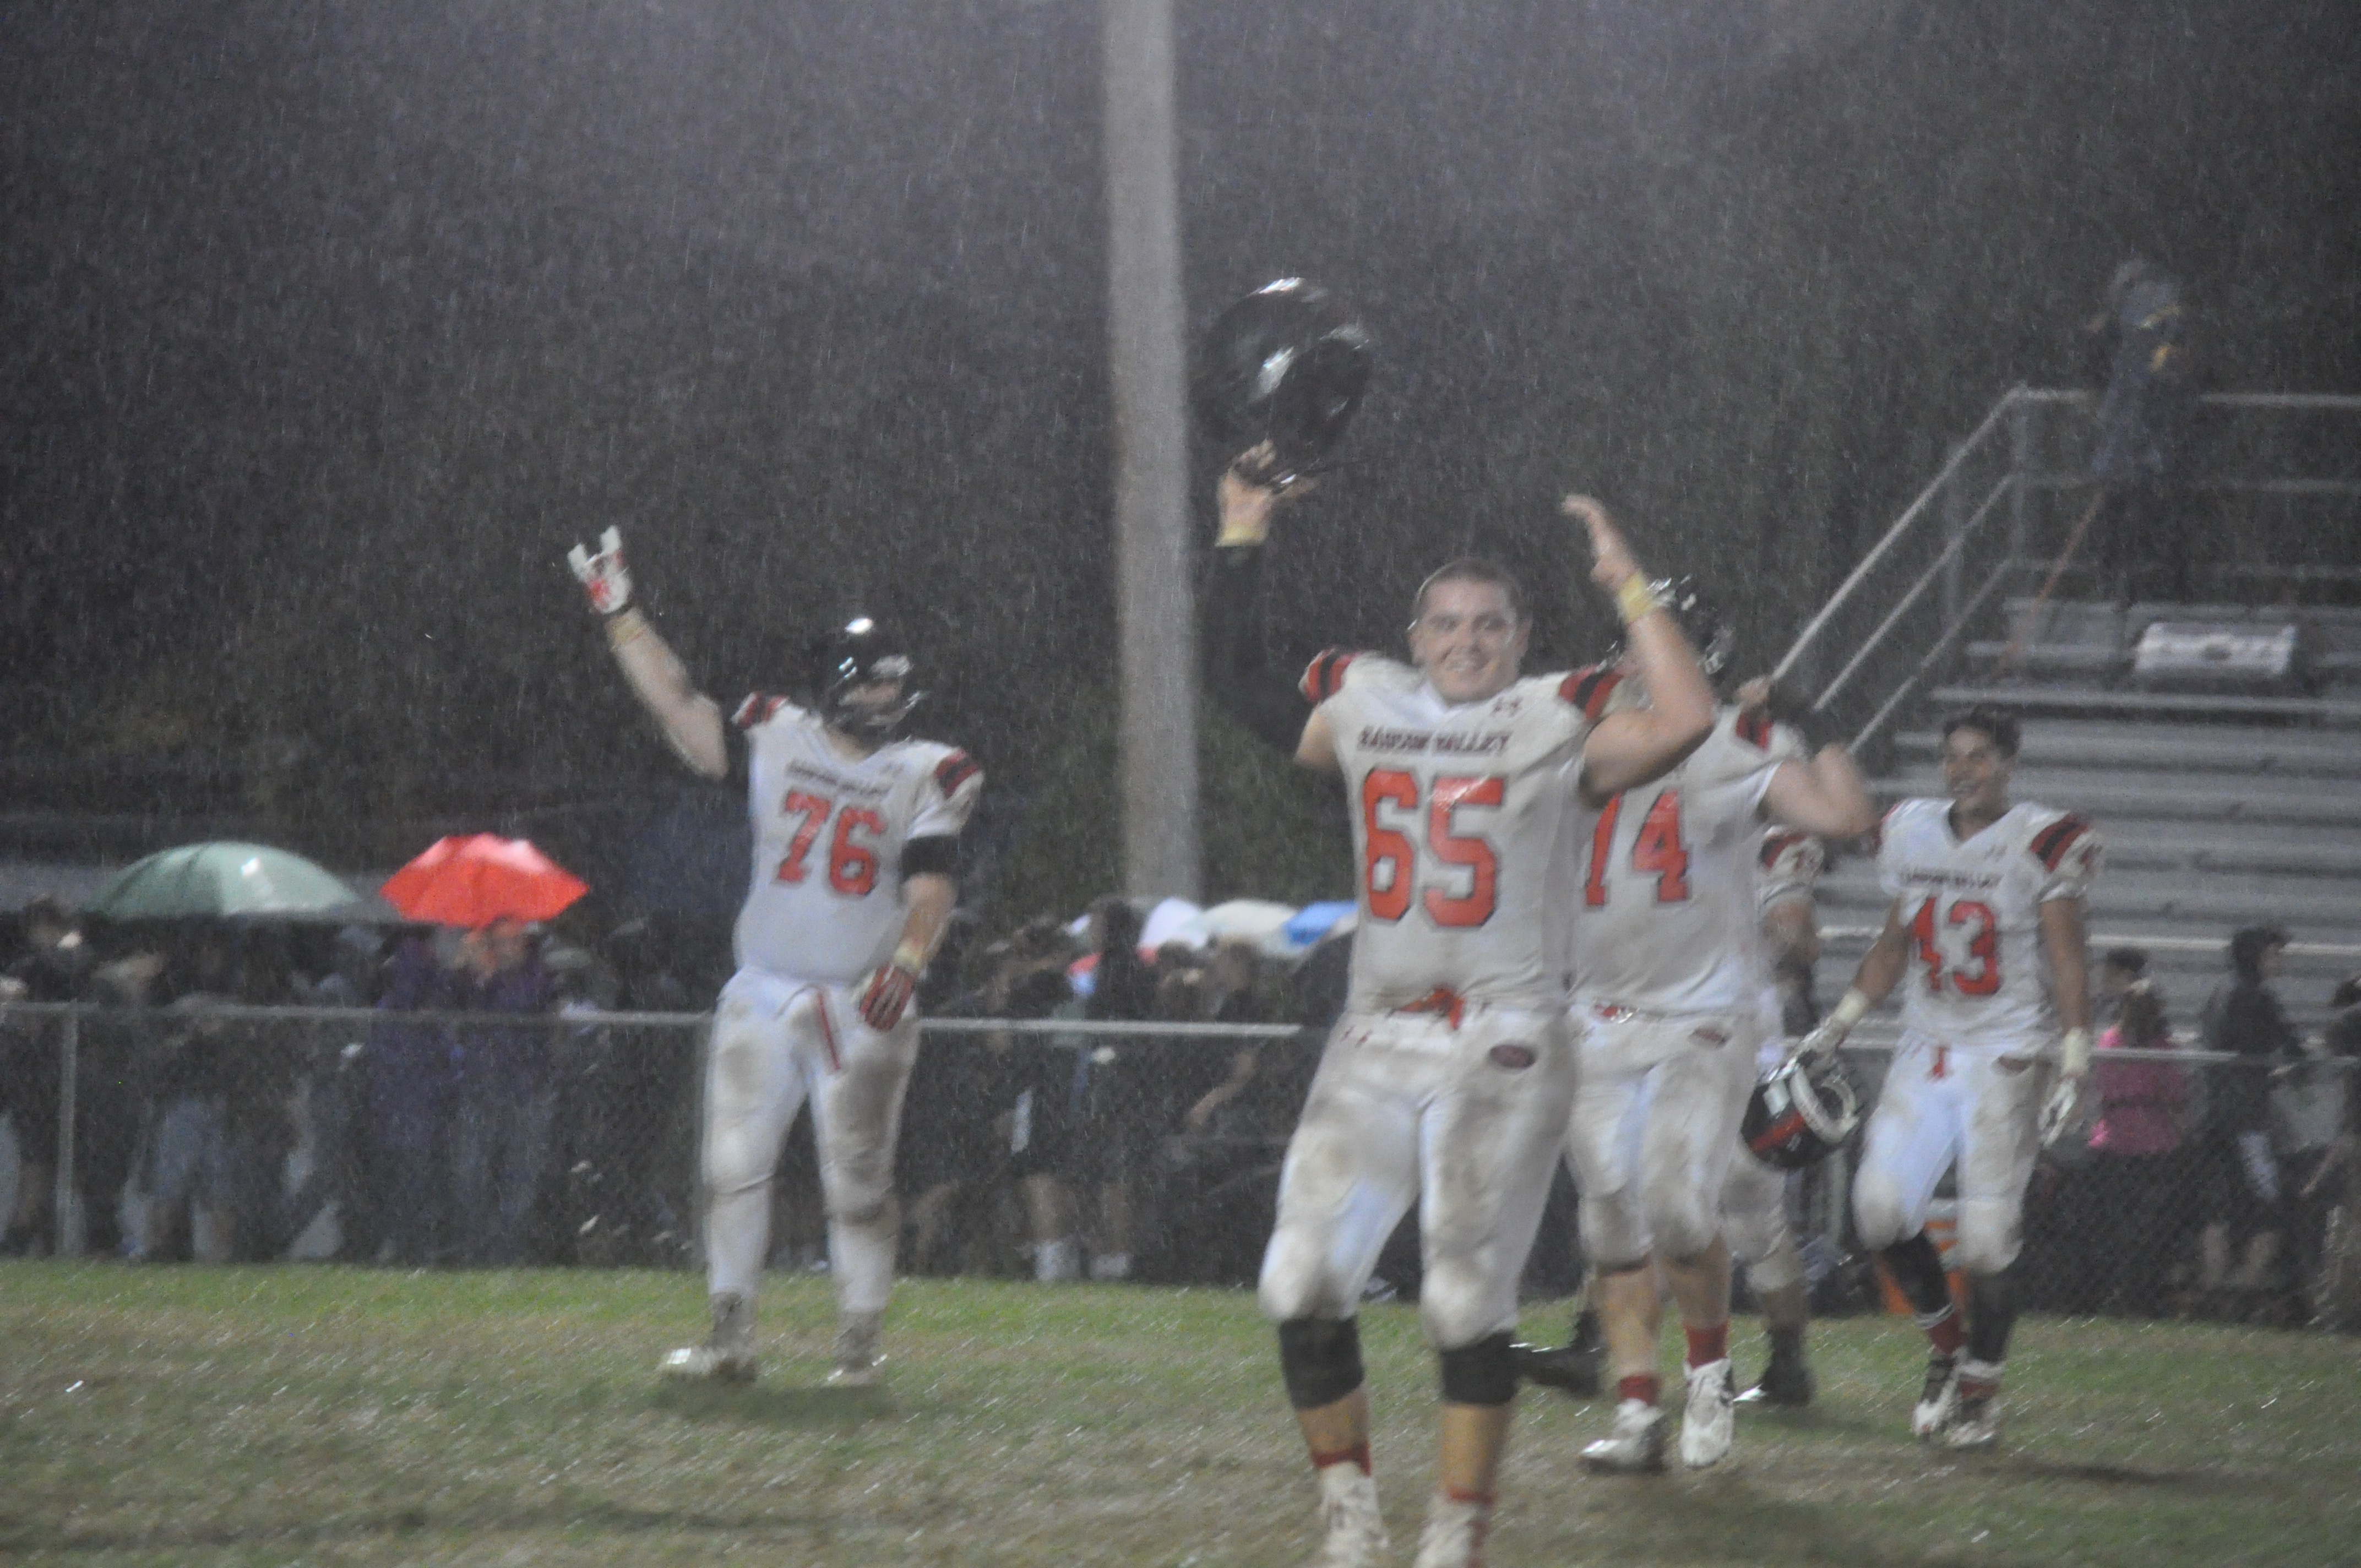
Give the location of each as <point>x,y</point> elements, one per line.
<point>325,330</point>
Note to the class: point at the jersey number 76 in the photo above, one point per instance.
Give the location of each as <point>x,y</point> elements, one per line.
<point>852,867</point>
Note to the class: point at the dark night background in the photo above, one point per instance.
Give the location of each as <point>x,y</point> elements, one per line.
<point>328,327</point>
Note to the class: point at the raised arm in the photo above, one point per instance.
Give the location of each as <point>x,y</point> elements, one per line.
<point>690,720</point>
<point>1236,668</point>
<point>1824,795</point>
<point>1629,748</point>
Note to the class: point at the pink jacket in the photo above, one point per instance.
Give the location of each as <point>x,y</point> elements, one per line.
<point>2139,1103</point>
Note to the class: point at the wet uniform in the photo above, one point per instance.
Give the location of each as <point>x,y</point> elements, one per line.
<point>1978,1028</point>
<point>1668,984</point>
<point>824,909</point>
<point>1753,1195</point>
<point>1447,1079</point>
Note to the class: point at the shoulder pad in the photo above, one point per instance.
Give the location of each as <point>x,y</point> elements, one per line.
<point>1590,689</point>
<point>2049,845</point>
<point>954,769</point>
<point>757,710</point>
<point>1778,842</point>
<point>1324,676</point>
<point>1753,727</point>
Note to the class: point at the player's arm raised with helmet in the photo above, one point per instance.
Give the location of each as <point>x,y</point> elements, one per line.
<point>1237,673</point>
<point>691,721</point>
<point>1629,748</point>
<point>1823,794</point>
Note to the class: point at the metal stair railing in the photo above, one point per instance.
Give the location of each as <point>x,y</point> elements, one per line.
<point>1939,572</point>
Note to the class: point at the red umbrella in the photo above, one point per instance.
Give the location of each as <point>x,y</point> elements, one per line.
<point>475,880</point>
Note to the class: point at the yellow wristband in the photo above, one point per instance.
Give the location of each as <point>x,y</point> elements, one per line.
<point>625,627</point>
<point>1636,598</point>
<point>912,957</point>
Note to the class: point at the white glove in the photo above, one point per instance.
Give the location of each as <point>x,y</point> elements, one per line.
<point>2063,1111</point>
<point>1835,1026</point>
<point>604,577</point>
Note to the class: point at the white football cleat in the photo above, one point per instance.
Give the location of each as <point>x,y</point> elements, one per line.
<point>1710,1417</point>
<point>1635,1447</point>
<point>859,1362</point>
<point>728,1354</point>
<point>1352,1532</point>
<point>1974,1424</point>
<point>1456,1529</point>
<point>1938,1398</point>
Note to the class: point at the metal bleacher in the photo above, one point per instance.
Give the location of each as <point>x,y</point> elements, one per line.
<point>2221,806</point>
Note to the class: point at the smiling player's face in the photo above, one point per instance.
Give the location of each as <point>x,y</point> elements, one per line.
<point>1467,640</point>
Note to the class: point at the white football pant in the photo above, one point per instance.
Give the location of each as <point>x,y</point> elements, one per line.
<point>1940,1102</point>
<point>1754,1222</point>
<point>1655,1126</point>
<point>777,1042</point>
<point>1465,1121</point>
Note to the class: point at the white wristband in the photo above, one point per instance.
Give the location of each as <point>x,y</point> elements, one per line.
<point>2074,1053</point>
<point>1848,1008</point>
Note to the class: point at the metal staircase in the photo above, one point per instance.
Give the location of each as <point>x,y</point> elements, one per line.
<point>2221,808</point>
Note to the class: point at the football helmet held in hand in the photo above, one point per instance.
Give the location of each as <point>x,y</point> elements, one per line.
<point>1802,1112</point>
<point>1286,367</point>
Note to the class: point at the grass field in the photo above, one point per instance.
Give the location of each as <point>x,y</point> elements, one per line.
<point>189,1416</point>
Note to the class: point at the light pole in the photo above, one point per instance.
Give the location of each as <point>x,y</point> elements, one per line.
<point>1148,370</point>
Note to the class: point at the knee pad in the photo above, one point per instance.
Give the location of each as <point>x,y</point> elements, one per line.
<point>1320,1360</point>
<point>1877,1213</point>
<point>1458,1304</point>
<point>1682,1225</point>
<point>1294,1282</point>
<point>1613,1232</point>
<point>1990,1236</point>
<point>1478,1373</point>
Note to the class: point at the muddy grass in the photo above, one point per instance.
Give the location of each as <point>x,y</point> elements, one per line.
<point>328,1415</point>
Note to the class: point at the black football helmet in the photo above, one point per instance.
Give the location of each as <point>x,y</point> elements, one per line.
<point>1801,1112</point>
<point>859,652</point>
<point>1284,364</point>
<point>1701,622</point>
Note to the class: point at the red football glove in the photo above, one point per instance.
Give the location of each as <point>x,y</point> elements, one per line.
<point>891,987</point>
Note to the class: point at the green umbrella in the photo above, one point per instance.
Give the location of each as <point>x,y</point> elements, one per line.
<point>252,880</point>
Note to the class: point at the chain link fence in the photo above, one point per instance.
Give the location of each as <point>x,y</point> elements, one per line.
<point>1036,1149</point>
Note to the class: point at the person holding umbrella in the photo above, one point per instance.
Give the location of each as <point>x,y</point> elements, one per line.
<point>856,837</point>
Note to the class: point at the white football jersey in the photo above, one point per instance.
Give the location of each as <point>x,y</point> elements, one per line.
<point>825,900</point>
<point>1457,813</point>
<point>1667,919</point>
<point>1971,917</point>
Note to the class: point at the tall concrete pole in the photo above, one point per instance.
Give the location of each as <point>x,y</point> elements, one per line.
<point>1147,359</point>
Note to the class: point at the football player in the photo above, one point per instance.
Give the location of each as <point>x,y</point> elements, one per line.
<point>1755,1195</point>
<point>1669,976</point>
<point>1985,938</point>
<point>1447,1079</point>
<point>856,838</point>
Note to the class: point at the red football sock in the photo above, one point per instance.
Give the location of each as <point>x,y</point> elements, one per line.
<point>1357,1454</point>
<point>1643,1387</point>
<point>1708,1344</point>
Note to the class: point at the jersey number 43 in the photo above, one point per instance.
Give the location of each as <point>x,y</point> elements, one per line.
<point>1388,855</point>
<point>1983,946</point>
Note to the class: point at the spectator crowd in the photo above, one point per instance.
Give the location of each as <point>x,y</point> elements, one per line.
<point>493,1110</point>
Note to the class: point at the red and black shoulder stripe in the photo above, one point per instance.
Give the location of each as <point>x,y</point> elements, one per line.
<point>1324,676</point>
<point>1777,843</point>
<point>1753,727</point>
<point>954,771</point>
<point>2049,845</point>
<point>1589,689</point>
<point>756,710</point>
